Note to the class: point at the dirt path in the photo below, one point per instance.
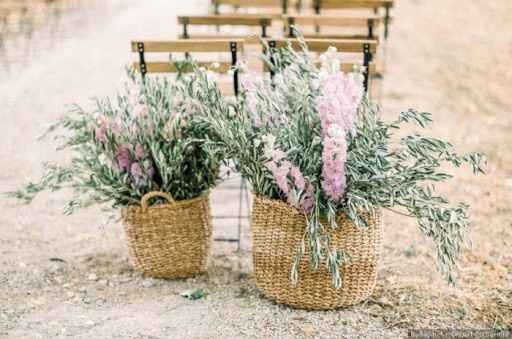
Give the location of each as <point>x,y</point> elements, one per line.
<point>70,276</point>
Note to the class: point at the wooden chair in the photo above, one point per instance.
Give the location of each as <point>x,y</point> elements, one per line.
<point>142,48</point>
<point>266,6</point>
<point>319,7</point>
<point>217,21</point>
<point>366,48</point>
<point>370,23</point>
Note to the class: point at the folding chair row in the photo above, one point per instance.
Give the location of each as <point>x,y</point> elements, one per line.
<point>318,6</point>
<point>365,48</point>
<point>284,5</point>
<point>371,23</point>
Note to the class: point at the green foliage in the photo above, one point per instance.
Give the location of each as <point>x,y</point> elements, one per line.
<point>146,139</point>
<point>380,174</point>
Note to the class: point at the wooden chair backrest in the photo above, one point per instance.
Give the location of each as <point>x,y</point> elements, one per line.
<point>370,22</point>
<point>367,48</point>
<point>251,20</point>
<point>376,5</point>
<point>282,5</point>
<point>142,48</point>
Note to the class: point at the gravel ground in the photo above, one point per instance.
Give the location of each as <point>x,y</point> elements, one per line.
<point>71,277</point>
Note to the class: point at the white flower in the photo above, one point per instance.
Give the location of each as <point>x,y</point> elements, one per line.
<point>242,66</point>
<point>212,76</point>
<point>336,132</point>
<point>102,159</point>
<point>315,84</point>
<point>269,140</point>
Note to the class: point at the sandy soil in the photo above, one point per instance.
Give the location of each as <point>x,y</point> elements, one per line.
<point>71,277</point>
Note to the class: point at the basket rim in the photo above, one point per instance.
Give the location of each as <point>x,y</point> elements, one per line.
<point>282,204</point>
<point>175,204</point>
<point>278,202</point>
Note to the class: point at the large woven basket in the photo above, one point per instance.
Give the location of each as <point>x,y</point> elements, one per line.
<point>170,240</point>
<point>277,232</point>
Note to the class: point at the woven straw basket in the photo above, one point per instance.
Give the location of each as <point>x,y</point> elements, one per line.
<point>171,240</point>
<point>277,232</point>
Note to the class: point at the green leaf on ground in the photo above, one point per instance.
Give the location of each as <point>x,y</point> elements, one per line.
<point>195,294</point>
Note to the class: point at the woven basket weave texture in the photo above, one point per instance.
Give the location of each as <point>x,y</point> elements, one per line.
<point>277,232</point>
<point>169,240</point>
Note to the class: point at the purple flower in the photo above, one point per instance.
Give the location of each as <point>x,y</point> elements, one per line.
<point>124,158</point>
<point>136,170</point>
<point>150,171</point>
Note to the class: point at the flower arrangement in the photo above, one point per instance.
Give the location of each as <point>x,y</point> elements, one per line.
<point>310,137</point>
<point>147,139</point>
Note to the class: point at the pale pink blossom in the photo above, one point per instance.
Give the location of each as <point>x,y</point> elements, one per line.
<point>337,105</point>
<point>298,179</point>
<point>308,200</point>
<point>295,187</point>
<point>140,153</point>
<point>100,131</point>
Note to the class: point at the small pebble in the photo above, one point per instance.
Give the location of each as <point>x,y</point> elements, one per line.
<point>92,277</point>
<point>148,283</point>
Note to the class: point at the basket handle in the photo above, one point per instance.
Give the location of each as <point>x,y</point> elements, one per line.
<point>145,199</point>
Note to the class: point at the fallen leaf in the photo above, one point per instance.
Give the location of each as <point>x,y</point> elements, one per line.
<point>198,293</point>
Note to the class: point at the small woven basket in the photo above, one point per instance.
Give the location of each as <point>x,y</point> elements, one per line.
<point>277,232</point>
<point>170,240</point>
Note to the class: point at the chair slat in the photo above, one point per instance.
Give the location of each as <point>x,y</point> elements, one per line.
<point>341,36</point>
<point>320,45</point>
<point>222,45</point>
<point>333,20</point>
<point>346,67</point>
<point>166,67</point>
<point>352,4</point>
<point>225,19</point>
<point>251,3</point>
